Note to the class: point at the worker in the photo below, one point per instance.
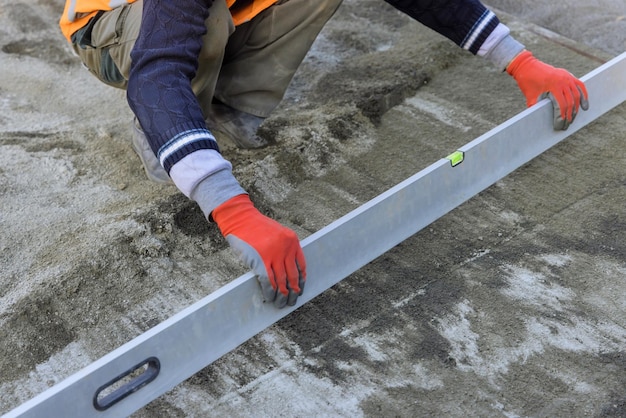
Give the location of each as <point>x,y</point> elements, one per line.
<point>197,69</point>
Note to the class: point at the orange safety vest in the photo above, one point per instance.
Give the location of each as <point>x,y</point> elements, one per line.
<point>78,12</point>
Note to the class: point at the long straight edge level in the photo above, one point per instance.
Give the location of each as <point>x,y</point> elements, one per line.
<point>200,334</point>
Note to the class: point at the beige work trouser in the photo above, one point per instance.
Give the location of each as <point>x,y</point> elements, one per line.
<point>247,67</point>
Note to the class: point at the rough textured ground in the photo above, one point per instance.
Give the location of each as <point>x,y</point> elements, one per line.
<point>511,305</point>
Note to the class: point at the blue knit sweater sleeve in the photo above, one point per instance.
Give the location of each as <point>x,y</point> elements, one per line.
<point>467,23</point>
<point>164,61</point>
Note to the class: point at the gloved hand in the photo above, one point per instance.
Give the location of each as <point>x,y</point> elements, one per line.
<point>270,249</point>
<point>538,80</point>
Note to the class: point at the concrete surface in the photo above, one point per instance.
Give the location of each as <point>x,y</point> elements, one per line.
<point>511,305</point>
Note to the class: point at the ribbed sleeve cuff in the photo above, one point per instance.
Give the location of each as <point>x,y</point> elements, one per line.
<point>504,51</point>
<point>215,190</point>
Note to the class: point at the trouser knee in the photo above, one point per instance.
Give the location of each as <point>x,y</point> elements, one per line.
<point>219,27</point>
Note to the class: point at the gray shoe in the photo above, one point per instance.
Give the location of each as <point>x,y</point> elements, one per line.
<point>151,164</point>
<point>239,127</point>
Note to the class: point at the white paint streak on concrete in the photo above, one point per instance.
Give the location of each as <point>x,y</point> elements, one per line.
<point>409,298</point>
<point>532,288</point>
<point>456,328</point>
<point>371,345</point>
<point>477,255</point>
<point>556,260</point>
<point>554,325</point>
<point>444,111</point>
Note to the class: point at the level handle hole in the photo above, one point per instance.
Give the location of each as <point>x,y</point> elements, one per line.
<point>126,383</point>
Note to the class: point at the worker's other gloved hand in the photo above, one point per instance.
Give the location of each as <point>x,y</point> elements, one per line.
<point>538,80</point>
<point>270,249</point>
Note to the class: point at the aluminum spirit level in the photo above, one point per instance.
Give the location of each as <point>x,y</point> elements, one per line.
<point>151,364</point>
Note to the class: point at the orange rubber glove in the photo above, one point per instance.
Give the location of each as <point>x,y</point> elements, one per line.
<point>538,80</point>
<point>270,249</point>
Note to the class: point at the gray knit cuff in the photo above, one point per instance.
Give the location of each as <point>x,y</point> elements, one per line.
<point>215,190</point>
<point>504,52</point>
